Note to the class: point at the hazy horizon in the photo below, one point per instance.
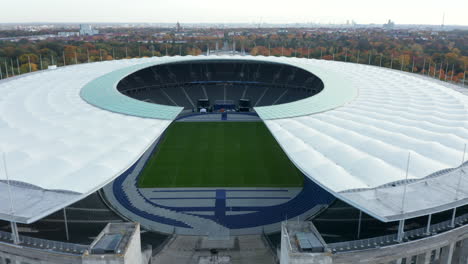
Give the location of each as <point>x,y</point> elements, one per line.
<point>416,12</point>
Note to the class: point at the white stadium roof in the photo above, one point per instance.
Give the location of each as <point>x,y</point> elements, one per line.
<point>66,133</point>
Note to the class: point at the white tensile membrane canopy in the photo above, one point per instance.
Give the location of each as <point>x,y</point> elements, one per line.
<point>360,151</point>
<point>353,138</point>
<point>58,148</point>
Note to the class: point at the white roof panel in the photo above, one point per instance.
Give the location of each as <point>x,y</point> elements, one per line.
<point>363,145</point>
<point>56,142</point>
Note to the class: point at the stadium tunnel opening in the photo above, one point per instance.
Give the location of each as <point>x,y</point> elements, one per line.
<point>231,85</point>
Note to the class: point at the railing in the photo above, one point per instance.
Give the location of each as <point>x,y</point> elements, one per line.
<point>363,243</point>
<point>414,234</point>
<point>44,244</point>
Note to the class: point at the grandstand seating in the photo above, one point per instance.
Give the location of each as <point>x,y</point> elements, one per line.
<point>182,84</point>
<point>124,200</point>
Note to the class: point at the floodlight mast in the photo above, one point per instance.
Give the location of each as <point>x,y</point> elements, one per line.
<point>453,68</point>
<point>424,66</point>
<point>12,67</point>
<point>464,75</point>
<point>6,69</point>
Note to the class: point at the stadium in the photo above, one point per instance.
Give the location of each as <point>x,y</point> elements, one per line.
<point>358,161</point>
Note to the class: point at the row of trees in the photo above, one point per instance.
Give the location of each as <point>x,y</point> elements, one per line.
<point>447,63</point>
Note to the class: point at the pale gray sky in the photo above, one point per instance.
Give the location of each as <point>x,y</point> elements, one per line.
<point>270,11</point>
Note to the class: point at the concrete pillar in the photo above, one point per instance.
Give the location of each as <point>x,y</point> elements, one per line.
<point>14,233</point>
<point>427,257</point>
<point>66,223</point>
<point>447,253</point>
<point>454,214</point>
<point>359,225</point>
<point>428,227</point>
<point>463,259</point>
<point>437,254</point>
<point>401,230</point>
<point>421,259</point>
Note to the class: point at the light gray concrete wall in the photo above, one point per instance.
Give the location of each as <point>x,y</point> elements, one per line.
<point>284,257</point>
<point>20,255</point>
<point>133,252</point>
<point>288,257</point>
<point>26,255</point>
<point>463,255</point>
<point>450,247</point>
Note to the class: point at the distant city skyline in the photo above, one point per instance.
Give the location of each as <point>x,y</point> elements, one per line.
<point>241,11</point>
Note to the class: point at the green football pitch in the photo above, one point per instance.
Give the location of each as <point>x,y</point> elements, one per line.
<point>219,154</point>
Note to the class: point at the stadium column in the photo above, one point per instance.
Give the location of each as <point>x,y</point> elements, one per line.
<point>14,233</point>
<point>423,258</point>
<point>428,227</point>
<point>454,213</point>
<point>401,230</point>
<point>14,227</point>
<point>359,225</point>
<point>447,254</point>
<point>66,223</point>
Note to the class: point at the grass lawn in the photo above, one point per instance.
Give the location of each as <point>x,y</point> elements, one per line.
<point>219,154</point>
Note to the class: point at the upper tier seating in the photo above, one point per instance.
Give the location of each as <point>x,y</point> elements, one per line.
<point>262,83</point>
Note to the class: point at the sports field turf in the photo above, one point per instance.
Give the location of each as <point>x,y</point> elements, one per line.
<point>219,154</point>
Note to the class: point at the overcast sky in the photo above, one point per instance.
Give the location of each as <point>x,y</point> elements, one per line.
<point>247,11</point>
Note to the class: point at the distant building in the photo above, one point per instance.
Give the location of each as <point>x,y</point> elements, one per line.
<point>68,34</point>
<point>87,30</point>
<point>178,27</point>
<point>389,25</point>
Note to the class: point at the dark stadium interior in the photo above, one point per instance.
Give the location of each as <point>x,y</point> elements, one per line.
<point>185,83</point>
<point>339,222</point>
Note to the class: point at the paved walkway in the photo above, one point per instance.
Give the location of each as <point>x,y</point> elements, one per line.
<point>184,249</point>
